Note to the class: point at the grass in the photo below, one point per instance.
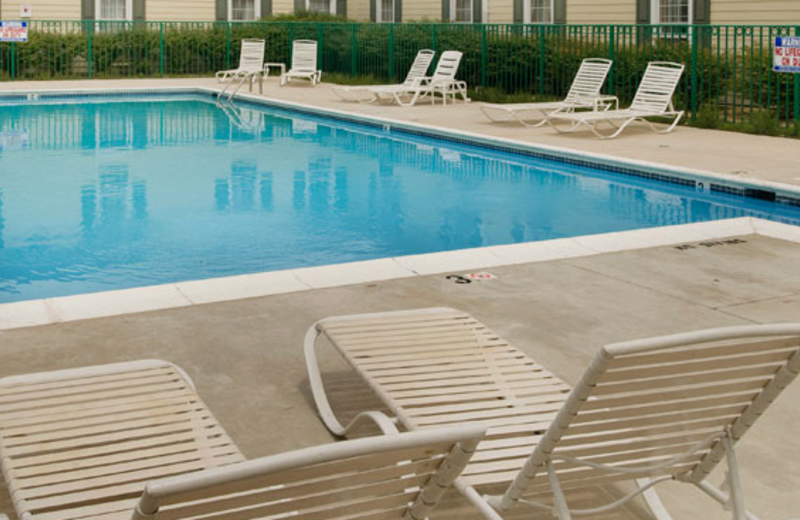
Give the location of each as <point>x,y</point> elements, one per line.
<point>761,122</point>
<point>346,79</point>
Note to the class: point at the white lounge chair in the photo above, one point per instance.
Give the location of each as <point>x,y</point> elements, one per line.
<point>369,93</point>
<point>134,441</point>
<point>666,409</point>
<point>653,99</point>
<point>251,61</point>
<point>584,93</point>
<point>304,63</point>
<point>443,82</point>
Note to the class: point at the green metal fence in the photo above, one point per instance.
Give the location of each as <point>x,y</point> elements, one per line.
<point>729,68</point>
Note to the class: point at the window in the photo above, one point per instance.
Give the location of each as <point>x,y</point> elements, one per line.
<point>461,11</point>
<point>244,10</point>
<point>119,10</point>
<point>385,10</point>
<point>321,6</point>
<point>672,11</point>
<point>539,11</point>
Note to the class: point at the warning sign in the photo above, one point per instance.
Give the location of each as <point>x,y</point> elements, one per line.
<point>13,31</point>
<point>787,54</point>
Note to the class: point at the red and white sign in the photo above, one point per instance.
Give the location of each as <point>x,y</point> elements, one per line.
<point>787,54</point>
<point>13,31</point>
<point>25,11</point>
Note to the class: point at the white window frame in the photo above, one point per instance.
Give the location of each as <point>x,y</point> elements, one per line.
<point>527,9</point>
<point>256,10</point>
<point>331,9</point>
<point>655,13</point>
<point>453,12</point>
<point>379,11</point>
<point>128,12</point>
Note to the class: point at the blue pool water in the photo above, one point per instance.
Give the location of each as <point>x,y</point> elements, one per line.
<point>111,195</point>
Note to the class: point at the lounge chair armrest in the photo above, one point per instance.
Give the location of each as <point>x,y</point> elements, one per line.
<point>381,420</point>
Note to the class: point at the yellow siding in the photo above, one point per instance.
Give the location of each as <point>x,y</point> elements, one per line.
<point>755,11</point>
<point>43,9</point>
<point>282,6</point>
<point>608,11</point>
<point>416,10</point>
<point>358,10</point>
<point>177,10</point>
<point>501,11</point>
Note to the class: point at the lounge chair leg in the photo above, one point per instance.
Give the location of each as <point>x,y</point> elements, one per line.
<point>386,425</point>
<point>735,483</point>
<point>559,500</point>
<point>478,501</point>
<point>653,501</point>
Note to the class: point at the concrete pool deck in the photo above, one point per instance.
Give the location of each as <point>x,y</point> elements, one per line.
<point>559,312</point>
<point>742,156</point>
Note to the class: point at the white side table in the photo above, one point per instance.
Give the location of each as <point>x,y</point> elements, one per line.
<point>269,66</point>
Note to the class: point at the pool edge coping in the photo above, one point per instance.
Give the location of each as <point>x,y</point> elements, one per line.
<point>702,178</point>
<point>49,311</point>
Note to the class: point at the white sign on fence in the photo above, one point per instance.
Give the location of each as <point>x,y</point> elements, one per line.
<point>787,54</point>
<point>13,31</point>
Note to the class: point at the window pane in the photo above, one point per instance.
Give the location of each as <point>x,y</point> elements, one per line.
<point>113,10</point>
<point>674,11</point>
<point>319,6</point>
<point>243,10</point>
<point>541,11</point>
<point>464,11</point>
<point>387,10</point>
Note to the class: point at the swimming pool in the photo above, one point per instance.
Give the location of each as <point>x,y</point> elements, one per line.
<point>117,192</point>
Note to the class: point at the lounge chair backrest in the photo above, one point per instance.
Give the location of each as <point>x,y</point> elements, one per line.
<point>252,57</point>
<point>657,87</point>
<point>419,69</point>
<point>387,477</point>
<point>304,56</point>
<point>644,402</point>
<point>589,80</point>
<point>447,68</point>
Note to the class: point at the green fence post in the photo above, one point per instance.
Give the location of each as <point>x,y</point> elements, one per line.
<point>433,38</point>
<point>228,45</point>
<point>391,51</point>
<point>89,50</point>
<point>161,61</point>
<point>13,60</point>
<point>484,52</point>
<point>353,50</point>
<point>612,47</point>
<point>321,45</point>
<point>694,72</point>
<point>542,51</point>
<point>797,87</point>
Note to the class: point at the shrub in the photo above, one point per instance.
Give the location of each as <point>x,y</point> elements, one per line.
<point>708,116</point>
<point>765,122</point>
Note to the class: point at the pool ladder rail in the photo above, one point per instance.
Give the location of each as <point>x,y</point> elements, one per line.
<point>236,114</point>
<point>233,88</point>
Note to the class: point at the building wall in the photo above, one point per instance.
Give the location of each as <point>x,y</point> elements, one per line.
<point>42,9</point>
<point>180,10</point>
<point>358,10</point>
<point>755,12</point>
<point>416,10</point>
<point>607,11</point>
<point>501,11</point>
<point>282,6</point>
